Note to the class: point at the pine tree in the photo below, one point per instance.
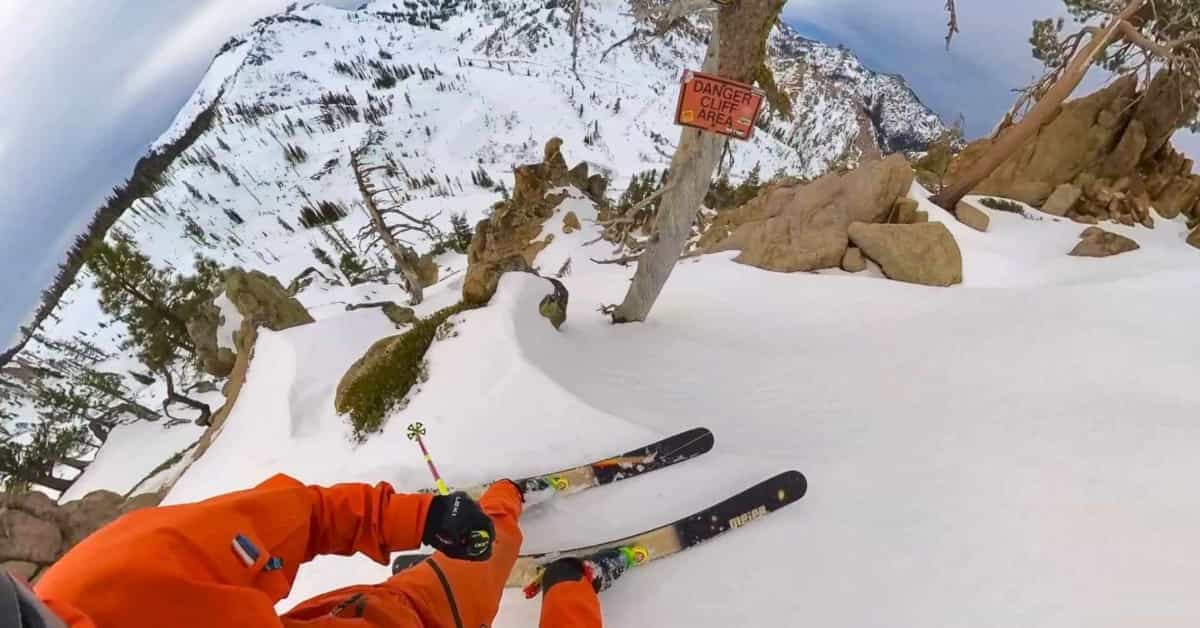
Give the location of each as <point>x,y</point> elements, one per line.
<point>461,233</point>
<point>23,464</point>
<point>153,303</point>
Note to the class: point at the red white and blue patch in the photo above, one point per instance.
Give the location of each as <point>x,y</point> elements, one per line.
<point>245,550</point>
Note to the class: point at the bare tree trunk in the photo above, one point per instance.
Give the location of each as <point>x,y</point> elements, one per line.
<point>174,396</point>
<point>100,430</point>
<point>1011,139</point>
<point>74,463</point>
<point>53,483</point>
<point>736,50</point>
<point>405,257</point>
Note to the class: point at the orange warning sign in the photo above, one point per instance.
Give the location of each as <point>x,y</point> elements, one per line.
<point>719,105</point>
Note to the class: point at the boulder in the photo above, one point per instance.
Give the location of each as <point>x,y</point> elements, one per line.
<point>21,569</point>
<point>1180,193</point>
<point>554,305</point>
<point>1163,109</point>
<point>92,512</point>
<point>142,500</point>
<point>27,537</point>
<point>852,261</point>
<point>922,253</point>
<point>506,241</point>
<point>791,227</point>
<point>1062,200</point>
<point>202,329</point>
<point>399,314</point>
<point>972,216</point>
<point>571,223</point>
<point>556,164</point>
<point>377,355</point>
<point>1194,237</point>
<point>578,176</point>
<point>905,211</point>
<point>263,301</point>
<point>1097,242</point>
<point>427,271</point>
<point>596,187</point>
<point>1128,152</point>
<point>1083,133</point>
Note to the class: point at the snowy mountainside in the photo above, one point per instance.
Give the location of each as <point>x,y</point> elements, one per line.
<point>931,495</point>
<point>437,91</point>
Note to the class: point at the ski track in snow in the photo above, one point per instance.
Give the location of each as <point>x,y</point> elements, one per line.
<point>1016,450</point>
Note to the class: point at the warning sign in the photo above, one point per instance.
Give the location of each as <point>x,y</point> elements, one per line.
<point>719,105</point>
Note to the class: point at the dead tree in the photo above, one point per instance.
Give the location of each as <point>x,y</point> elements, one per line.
<point>737,50</point>
<point>1139,36</point>
<point>174,396</point>
<point>380,232</point>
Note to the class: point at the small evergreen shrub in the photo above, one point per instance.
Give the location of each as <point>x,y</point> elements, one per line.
<point>1001,204</point>
<point>377,391</point>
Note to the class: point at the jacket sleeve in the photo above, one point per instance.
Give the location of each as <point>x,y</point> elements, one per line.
<point>356,518</point>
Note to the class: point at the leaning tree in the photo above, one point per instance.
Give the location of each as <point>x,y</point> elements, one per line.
<point>737,50</point>
<point>1123,37</point>
<point>389,221</point>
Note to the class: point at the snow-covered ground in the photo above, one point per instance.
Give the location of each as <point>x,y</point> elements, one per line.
<point>1015,451</point>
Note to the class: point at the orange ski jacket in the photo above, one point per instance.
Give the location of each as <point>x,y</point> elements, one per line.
<point>226,561</point>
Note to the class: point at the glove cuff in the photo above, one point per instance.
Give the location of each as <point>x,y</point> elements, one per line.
<point>562,570</point>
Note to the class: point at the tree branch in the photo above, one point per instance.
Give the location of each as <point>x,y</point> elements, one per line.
<point>951,21</point>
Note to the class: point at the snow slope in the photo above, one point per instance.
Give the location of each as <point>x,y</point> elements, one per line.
<point>1017,450</point>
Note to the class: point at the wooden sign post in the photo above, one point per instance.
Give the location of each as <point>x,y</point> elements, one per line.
<point>718,105</point>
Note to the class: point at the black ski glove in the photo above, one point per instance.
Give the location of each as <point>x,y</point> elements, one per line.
<point>457,527</point>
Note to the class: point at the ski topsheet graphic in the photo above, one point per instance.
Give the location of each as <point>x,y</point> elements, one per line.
<point>669,451</point>
<point>734,512</point>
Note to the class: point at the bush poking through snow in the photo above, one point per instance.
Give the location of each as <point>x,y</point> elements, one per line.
<point>379,381</point>
<point>1002,205</point>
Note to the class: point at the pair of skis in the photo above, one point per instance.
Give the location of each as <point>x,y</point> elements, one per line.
<point>732,513</point>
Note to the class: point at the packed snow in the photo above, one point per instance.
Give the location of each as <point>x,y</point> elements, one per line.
<point>1016,450</point>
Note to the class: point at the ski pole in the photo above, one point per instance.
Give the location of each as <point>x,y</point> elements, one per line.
<point>415,432</point>
<point>480,540</point>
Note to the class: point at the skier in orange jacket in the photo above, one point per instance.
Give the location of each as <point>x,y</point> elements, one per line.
<point>228,560</point>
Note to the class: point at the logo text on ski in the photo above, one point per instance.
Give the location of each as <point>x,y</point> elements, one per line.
<point>747,517</point>
<point>718,105</point>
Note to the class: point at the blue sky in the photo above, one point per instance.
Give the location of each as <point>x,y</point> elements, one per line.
<point>84,87</point>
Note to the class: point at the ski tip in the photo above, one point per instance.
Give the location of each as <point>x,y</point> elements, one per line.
<point>792,485</point>
<point>704,439</point>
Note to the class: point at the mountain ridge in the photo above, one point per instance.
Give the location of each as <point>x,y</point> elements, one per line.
<point>808,146</point>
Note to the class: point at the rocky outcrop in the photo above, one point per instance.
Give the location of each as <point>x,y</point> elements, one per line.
<point>792,227</point>
<point>1097,242</point>
<point>1106,156</point>
<point>553,306</point>
<point>427,271</point>
<point>907,211</point>
<point>261,300</point>
<point>35,531</point>
<point>920,253</point>
<point>852,261</point>
<point>202,328</point>
<point>1063,199</point>
<point>1194,237</point>
<point>508,240</point>
<point>571,223</point>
